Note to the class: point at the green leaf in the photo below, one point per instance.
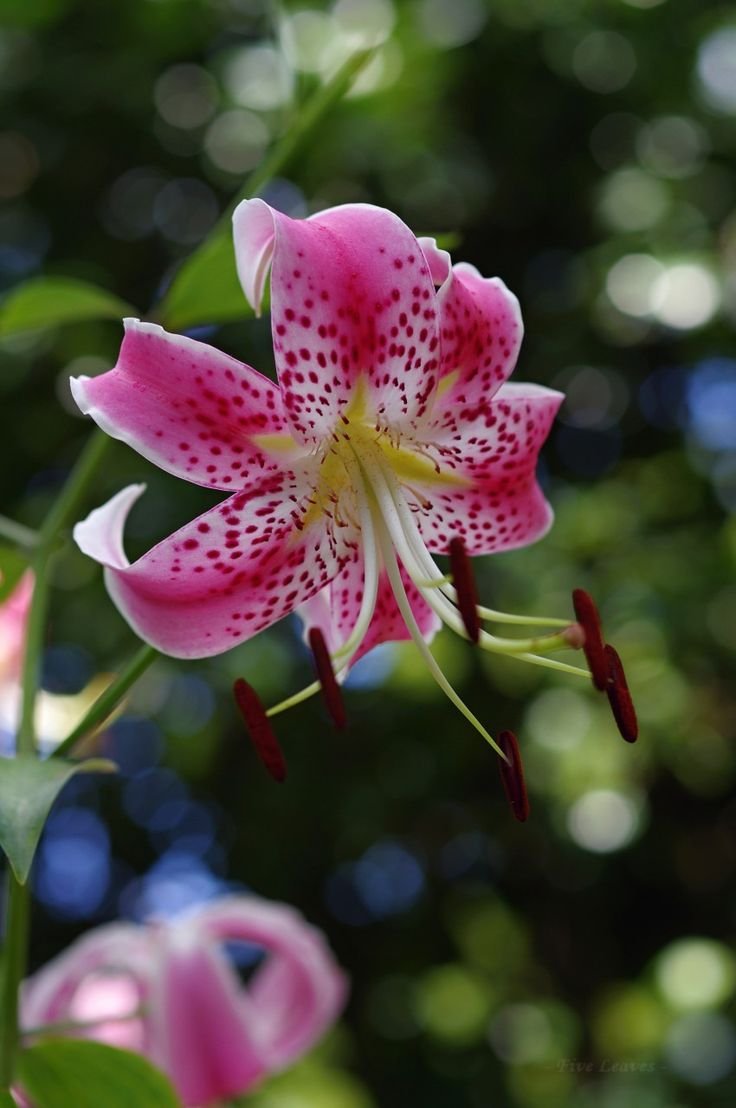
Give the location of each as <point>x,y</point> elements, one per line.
<point>77,1073</point>
<point>47,301</point>
<point>6,1100</point>
<point>206,288</point>
<point>28,788</point>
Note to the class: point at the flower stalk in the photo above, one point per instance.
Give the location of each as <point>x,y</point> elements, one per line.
<point>17,907</point>
<point>109,700</point>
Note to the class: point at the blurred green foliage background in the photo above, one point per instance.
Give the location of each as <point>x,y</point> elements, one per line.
<point>583,150</point>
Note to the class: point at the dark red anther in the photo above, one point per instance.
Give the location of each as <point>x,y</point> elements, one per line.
<point>326,674</point>
<point>587,616</point>
<point>619,697</point>
<point>259,729</point>
<point>512,776</point>
<point>467,593</point>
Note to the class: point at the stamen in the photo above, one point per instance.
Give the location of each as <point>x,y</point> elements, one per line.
<point>402,601</point>
<point>330,688</point>
<point>259,729</point>
<point>418,562</point>
<point>465,587</point>
<point>574,636</point>
<point>370,576</point>
<point>619,697</point>
<point>296,698</point>
<point>512,776</point>
<point>587,616</point>
<point>494,616</point>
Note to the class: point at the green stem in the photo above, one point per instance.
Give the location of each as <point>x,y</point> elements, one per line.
<point>217,248</point>
<point>17,912</point>
<point>108,701</point>
<point>61,514</point>
<point>308,118</point>
<point>18,896</point>
<point>18,533</point>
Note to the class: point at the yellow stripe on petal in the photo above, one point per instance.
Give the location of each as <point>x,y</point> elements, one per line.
<point>278,443</point>
<point>411,467</point>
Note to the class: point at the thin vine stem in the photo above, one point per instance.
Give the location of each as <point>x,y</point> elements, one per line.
<point>17,907</point>
<point>18,533</point>
<point>109,700</point>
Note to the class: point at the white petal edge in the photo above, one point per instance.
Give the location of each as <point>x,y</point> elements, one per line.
<point>100,535</point>
<point>253,233</point>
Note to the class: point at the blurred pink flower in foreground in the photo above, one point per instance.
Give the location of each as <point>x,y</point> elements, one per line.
<point>391,436</point>
<point>169,991</point>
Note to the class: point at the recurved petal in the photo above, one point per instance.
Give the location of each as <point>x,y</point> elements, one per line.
<point>352,301</point>
<point>481,332</point>
<point>228,574</point>
<point>201,1035</point>
<point>189,408</point>
<point>299,990</point>
<point>49,995</point>
<point>493,449</point>
<point>438,260</point>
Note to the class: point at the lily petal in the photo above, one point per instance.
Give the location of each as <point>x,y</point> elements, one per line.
<point>352,300</point>
<point>494,447</point>
<point>118,948</point>
<point>224,576</point>
<point>188,408</point>
<point>481,335</point>
<point>299,990</point>
<point>200,1034</point>
<point>335,610</point>
<point>438,260</point>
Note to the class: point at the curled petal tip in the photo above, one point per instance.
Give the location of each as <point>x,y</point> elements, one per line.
<point>465,587</point>
<point>253,228</point>
<point>512,776</point>
<point>587,616</point>
<point>100,535</point>
<point>77,386</point>
<point>260,730</point>
<point>619,697</point>
<point>326,674</point>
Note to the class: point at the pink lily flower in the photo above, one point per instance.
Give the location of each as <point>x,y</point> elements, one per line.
<point>168,990</point>
<point>391,436</point>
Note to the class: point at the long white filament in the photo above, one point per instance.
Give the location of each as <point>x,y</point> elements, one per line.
<point>408,531</point>
<point>371,571</point>
<point>402,601</point>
